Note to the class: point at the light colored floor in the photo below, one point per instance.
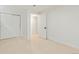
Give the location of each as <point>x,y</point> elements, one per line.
<point>36,45</point>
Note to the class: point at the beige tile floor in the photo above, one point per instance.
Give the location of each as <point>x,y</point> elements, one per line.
<point>35,45</point>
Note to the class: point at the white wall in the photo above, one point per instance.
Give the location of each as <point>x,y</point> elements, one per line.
<point>63,25</point>
<point>28,25</point>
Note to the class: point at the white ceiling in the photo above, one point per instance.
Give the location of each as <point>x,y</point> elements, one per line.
<point>36,9</point>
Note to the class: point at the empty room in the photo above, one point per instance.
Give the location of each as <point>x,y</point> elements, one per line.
<point>39,29</point>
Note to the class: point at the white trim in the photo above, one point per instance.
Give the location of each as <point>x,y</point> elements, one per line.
<point>62,42</point>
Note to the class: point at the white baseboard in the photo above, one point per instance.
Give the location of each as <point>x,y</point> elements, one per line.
<point>12,37</point>
<point>62,42</point>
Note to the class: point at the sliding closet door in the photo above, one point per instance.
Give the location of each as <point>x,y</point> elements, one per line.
<point>10,25</point>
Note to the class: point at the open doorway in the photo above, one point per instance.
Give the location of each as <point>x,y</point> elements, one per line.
<point>34,19</point>
<point>38,26</point>
<point>34,25</point>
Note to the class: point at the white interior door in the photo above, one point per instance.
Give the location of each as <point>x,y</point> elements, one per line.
<point>42,26</point>
<point>10,25</point>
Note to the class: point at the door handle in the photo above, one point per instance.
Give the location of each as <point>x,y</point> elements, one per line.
<point>45,27</point>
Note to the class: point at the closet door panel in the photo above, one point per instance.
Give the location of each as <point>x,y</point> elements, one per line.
<point>10,26</point>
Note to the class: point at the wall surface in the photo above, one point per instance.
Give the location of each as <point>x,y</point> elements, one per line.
<point>63,25</point>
